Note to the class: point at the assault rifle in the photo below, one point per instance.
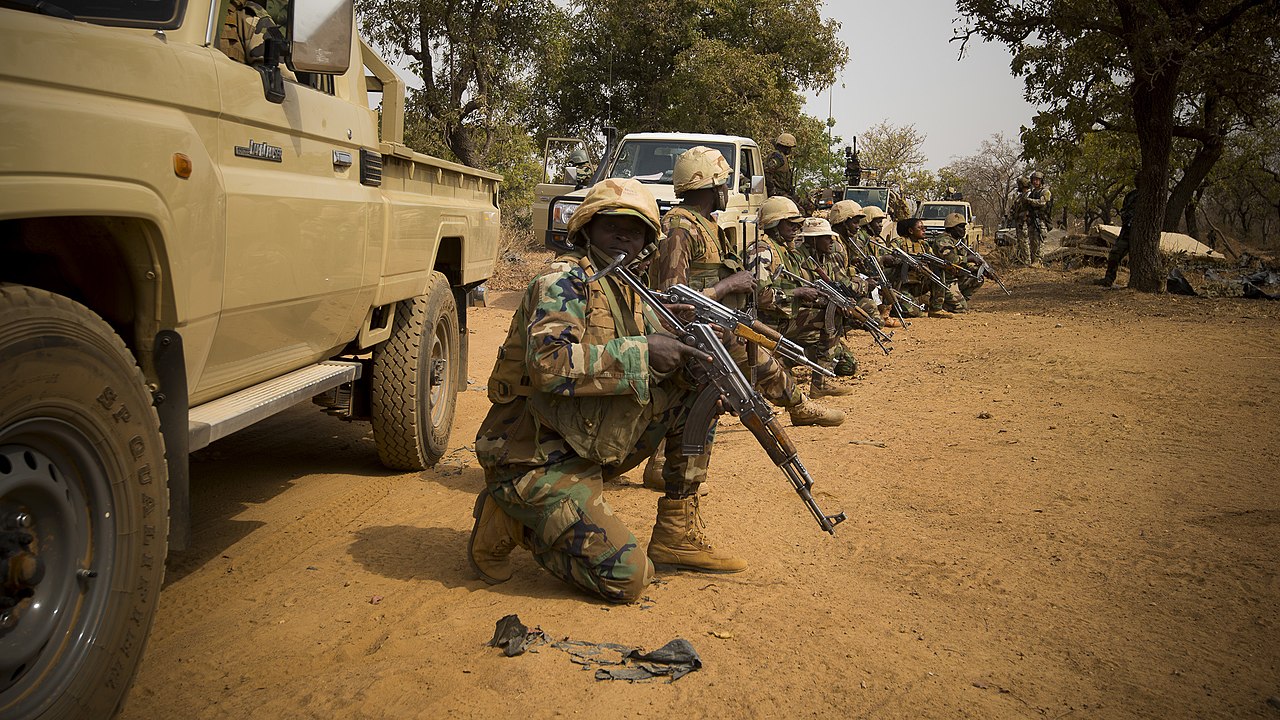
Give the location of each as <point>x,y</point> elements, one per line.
<point>739,323</point>
<point>726,384</point>
<point>950,267</point>
<point>984,268</point>
<point>914,264</point>
<point>896,300</point>
<point>836,298</point>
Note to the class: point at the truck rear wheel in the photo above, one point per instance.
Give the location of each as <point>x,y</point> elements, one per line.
<point>84,509</point>
<point>415,380</point>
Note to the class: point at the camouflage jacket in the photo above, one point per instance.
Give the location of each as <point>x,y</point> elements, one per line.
<point>766,258</point>
<point>779,178</point>
<point>573,376</point>
<point>692,252</point>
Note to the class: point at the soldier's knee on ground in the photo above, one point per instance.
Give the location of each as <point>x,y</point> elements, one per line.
<point>631,587</point>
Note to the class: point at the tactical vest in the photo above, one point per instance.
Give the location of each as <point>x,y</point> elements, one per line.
<point>601,428</point>
<point>709,261</point>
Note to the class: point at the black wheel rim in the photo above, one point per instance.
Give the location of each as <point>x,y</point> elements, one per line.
<point>55,487</point>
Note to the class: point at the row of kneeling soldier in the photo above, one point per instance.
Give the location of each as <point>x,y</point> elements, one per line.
<point>589,384</point>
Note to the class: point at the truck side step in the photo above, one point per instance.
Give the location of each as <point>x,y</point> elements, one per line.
<point>219,418</point>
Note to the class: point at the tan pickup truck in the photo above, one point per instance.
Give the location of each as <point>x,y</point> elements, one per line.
<point>650,158</point>
<point>187,245</point>
<point>934,214</point>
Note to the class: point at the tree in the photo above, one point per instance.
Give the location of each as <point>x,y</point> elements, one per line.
<point>895,152</point>
<point>717,66</point>
<point>1120,64</point>
<point>988,177</point>
<point>475,58</point>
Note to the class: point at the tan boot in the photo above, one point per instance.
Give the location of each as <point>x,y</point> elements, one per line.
<point>493,537</point>
<point>941,314</point>
<point>678,542</point>
<point>809,412</point>
<point>823,386</point>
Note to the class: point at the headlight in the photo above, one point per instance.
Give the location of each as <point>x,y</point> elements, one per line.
<point>561,212</point>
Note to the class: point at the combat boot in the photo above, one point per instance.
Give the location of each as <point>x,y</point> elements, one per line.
<point>941,314</point>
<point>678,541</point>
<point>823,386</point>
<point>809,412</point>
<point>493,537</point>
<point>1110,278</point>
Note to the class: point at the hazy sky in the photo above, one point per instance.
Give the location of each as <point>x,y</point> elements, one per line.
<point>903,69</point>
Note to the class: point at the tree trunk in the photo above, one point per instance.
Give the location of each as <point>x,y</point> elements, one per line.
<point>1153,97</point>
<point>1207,155</point>
<point>463,146</point>
<point>1193,223</point>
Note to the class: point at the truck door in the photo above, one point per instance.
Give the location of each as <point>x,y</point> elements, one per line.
<point>297,225</point>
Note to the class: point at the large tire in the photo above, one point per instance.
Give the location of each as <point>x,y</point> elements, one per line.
<point>415,380</point>
<point>83,480</point>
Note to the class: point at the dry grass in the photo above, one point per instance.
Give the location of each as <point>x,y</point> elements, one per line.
<point>520,256</point>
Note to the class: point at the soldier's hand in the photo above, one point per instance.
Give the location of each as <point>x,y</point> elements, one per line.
<point>806,294</point>
<point>666,353</point>
<point>683,311</point>
<point>737,283</point>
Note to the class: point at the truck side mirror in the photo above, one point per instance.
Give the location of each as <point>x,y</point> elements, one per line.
<point>757,184</point>
<point>320,36</point>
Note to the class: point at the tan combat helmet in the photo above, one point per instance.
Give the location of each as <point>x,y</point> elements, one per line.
<point>1037,175</point>
<point>1024,182</point>
<point>776,209</point>
<point>786,139</point>
<point>953,220</point>
<point>846,210</point>
<point>617,196</point>
<point>873,213</point>
<point>816,227</point>
<point>700,167</point>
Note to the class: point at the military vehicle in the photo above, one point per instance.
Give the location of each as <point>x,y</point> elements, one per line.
<point>188,244</point>
<point>934,214</point>
<point>650,158</point>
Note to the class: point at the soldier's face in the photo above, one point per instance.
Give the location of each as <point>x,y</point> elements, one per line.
<point>916,232</point>
<point>788,230</point>
<point>821,243</point>
<point>613,234</point>
<point>1036,182</point>
<point>875,226</point>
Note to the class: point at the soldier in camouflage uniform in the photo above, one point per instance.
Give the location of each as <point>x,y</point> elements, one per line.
<point>947,247</point>
<point>819,261</point>
<point>696,252</point>
<point>583,169</point>
<point>1020,215</point>
<point>846,216</point>
<point>779,177</point>
<point>1039,203</point>
<point>585,386</point>
<point>911,238</point>
<point>244,31</point>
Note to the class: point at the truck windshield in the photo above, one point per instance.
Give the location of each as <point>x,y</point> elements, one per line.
<point>933,211</point>
<point>159,14</point>
<point>869,196</point>
<point>651,161</point>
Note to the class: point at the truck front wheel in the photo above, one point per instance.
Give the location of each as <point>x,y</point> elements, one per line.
<point>415,380</point>
<point>84,509</point>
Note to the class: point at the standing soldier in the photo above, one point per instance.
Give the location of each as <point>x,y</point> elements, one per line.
<point>1019,215</point>
<point>696,252</point>
<point>779,177</point>
<point>1039,204</point>
<point>244,32</point>
<point>585,386</point>
<point>1121,248</point>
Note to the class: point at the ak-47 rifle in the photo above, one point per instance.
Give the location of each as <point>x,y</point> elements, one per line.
<point>896,301</point>
<point>913,263</point>
<point>984,268</point>
<point>740,323</point>
<point>950,267</point>
<point>838,299</point>
<point>728,386</point>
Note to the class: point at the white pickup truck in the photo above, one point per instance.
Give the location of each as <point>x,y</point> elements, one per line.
<point>650,158</point>
<point>189,243</point>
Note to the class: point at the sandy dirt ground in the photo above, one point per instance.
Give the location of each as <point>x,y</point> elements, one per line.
<point>1076,513</point>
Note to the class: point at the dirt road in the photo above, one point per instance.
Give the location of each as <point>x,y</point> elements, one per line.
<point>1077,512</point>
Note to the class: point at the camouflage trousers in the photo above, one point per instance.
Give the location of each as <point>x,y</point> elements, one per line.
<point>1021,250</point>
<point>926,293</point>
<point>572,531</point>
<point>818,333</point>
<point>771,379</point>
